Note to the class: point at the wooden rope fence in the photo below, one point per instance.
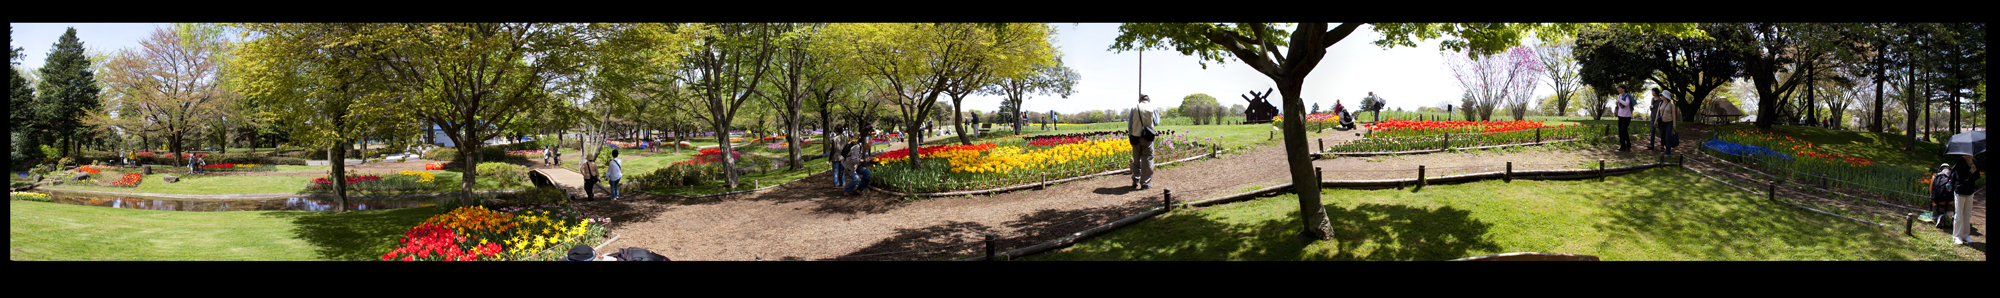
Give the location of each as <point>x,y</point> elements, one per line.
<point>1773,195</point>
<point>1712,160</point>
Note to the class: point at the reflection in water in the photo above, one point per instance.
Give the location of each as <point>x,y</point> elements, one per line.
<point>305,204</point>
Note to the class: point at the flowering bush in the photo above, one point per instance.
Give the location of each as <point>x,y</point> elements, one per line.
<point>433,166</point>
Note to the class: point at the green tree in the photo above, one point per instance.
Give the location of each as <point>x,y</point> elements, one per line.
<point>320,87</point>
<point>1204,105</point>
<point>67,93</point>
<point>1051,79</point>
<point>1286,58</point>
<point>919,62</point>
<point>474,80</point>
<point>729,61</point>
<point>172,85</point>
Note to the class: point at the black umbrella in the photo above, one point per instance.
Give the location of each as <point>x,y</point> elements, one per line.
<point>1971,143</point>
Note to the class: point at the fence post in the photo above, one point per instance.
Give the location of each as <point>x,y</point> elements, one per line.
<point>1420,176</point>
<point>1167,199</point>
<point>1318,175</point>
<point>1909,221</point>
<point>1538,134</point>
<point>1447,140</point>
<point>1510,172</point>
<point>1600,170</point>
<point>1273,136</point>
<point>1322,145</point>
<point>989,246</point>
<point>1773,192</point>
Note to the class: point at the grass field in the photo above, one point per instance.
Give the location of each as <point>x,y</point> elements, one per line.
<point>1658,215</point>
<point>40,231</point>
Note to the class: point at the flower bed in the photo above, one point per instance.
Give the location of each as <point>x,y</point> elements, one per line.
<point>28,196</point>
<point>130,180</point>
<point>1398,128</point>
<point>433,166</point>
<point>1465,137</point>
<point>984,166</point>
<point>1802,161</point>
<point>528,153</point>
<point>377,183</point>
<point>711,155</point>
<point>474,233</point>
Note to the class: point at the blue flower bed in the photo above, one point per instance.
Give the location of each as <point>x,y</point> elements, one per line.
<point>1735,149</point>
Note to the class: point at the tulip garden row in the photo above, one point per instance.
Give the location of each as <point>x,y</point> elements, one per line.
<point>1402,135</point>
<point>1019,161</point>
<point>96,173</point>
<point>474,233</point>
<point>401,181</point>
<point>1799,160</point>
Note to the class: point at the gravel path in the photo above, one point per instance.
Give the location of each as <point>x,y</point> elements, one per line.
<point>810,220</point>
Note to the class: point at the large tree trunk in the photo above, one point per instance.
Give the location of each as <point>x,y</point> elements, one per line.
<point>336,159</point>
<point>1910,109</point>
<point>1875,123</point>
<point>728,160</point>
<point>1304,181</point>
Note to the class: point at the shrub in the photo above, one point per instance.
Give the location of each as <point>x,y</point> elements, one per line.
<point>441,154</point>
<point>506,174</point>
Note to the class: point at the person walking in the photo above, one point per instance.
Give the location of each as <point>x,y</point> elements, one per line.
<point>547,154</point>
<point>1665,112</point>
<point>1140,123</point>
<point>838,155</point>
<point>1624,104</point>
<point>589,171</point>
<point>614,171</point>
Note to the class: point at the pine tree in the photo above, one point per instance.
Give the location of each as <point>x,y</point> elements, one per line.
<point>19,98</point>
<point>69,91</point>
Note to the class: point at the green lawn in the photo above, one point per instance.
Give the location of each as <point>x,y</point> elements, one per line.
<point>40,231</point>
<point>1666,214</point>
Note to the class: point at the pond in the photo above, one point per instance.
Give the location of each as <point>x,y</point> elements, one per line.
<point>299,203</point>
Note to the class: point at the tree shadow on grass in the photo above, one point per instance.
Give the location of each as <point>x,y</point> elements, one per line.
<point>1369,232</point>
<point>923,243</point>
<point>1709,221</point>
<point>354,235</point>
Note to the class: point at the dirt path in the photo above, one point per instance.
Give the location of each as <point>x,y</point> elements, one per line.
<point>810,220</point>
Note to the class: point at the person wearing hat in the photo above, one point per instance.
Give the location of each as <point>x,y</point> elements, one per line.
<point>1664,113</point>
<point>1140,125</point>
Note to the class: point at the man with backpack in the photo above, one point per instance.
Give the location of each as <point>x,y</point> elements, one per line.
<point>1140,125</point>
<point>839,154</point>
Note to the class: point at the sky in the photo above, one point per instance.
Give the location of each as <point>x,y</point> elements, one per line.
<point>1407,77</point>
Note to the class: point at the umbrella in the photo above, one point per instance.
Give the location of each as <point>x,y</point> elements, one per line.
<point>1971,143</point>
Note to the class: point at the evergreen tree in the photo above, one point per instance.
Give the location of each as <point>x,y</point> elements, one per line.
<point>68,91</point>
<point>19,98</point>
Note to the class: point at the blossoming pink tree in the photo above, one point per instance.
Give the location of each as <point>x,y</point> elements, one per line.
<point>1492,79</point>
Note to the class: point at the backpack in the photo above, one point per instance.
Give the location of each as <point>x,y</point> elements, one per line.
<point>1941,188</point>
<point>637,254</point>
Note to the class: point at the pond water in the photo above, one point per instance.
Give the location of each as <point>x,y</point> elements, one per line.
<point>302,203</point>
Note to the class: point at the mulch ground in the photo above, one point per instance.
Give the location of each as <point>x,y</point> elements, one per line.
<point>810,220</point>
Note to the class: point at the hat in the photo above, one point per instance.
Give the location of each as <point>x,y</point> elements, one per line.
<point>581,253</point>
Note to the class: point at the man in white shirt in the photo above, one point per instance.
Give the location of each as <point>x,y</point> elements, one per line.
<point>614,171</point>
<point>1140,124</point>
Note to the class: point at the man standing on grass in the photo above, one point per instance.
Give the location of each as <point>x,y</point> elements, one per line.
<point>1140,123</point>
<point>1653,120</point>
<point>838,154</point>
